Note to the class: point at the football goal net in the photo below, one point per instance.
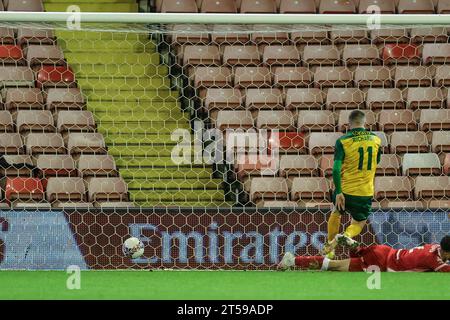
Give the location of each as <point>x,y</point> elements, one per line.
<point>212,137</point>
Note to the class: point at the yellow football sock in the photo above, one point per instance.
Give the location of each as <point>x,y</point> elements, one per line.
<point>353,230</point>
<point>334,224</point>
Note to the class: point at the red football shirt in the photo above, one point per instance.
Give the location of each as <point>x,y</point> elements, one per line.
<point>419,259</point>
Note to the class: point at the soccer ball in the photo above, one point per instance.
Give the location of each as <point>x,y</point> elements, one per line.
<point>133,248</point>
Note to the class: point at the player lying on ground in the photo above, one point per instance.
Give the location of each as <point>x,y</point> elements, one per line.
<point>430,257</point>
<point>356,156</point>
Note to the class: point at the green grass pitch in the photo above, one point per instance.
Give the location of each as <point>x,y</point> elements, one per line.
<point>221,285</point>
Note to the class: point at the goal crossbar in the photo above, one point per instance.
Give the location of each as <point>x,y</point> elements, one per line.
<point>202,18</point>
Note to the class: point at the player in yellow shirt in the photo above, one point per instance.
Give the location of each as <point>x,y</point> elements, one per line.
<point>357,154</point>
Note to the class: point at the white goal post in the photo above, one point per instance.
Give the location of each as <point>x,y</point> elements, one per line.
<point>212,18</point>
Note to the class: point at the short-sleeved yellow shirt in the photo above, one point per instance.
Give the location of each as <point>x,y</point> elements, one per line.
<point>359,151</point>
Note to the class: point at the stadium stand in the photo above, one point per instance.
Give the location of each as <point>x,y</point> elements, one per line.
<point>397,76</point>
<point>106,119</point>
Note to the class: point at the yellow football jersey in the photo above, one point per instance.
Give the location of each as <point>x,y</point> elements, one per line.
<point>360,151</point>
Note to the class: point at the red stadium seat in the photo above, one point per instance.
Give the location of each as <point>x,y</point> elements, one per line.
<point>55,76</point>
<point>20,188</point>
<point>401,53</point>
<point>11,54</point>
<point>290,142</point>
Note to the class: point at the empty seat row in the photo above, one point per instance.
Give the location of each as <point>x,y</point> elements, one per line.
<point>410,164</point>
<point>46,76</point>
<point>43,121</point>
<point>311,55</point>
<point>26,36</point>
<point>32,55</point>
<point>78,205</point>
<point>322,77</point>
<point>52,99</point>
<point>383,204</point>
<point>319,188</point>
<point>317,143</point>
<point>334,99</point>
<point>64,189</point>
<point>305,6</point>
<point>319,121</point>
<point>49,165</point>
<point>52,143</point>
<point>303,35</point>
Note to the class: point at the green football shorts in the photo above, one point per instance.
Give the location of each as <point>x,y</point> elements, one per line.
<point>358,207</point>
